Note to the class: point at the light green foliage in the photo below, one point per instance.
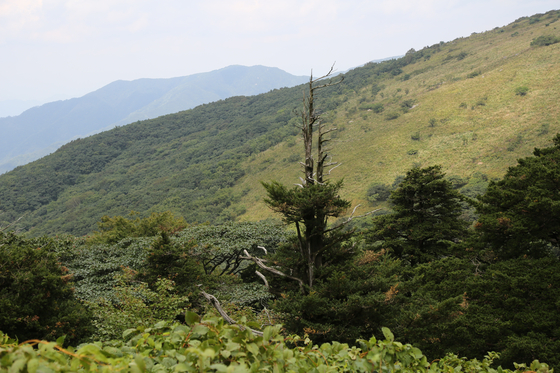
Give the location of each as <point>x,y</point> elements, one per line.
<point>113,230</point>
<point>211,346</point>
<point>134,304</point>
<point>94,267</point>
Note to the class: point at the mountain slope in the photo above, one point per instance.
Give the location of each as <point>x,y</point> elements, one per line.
<point>40,130</point>
<point>454,104</point>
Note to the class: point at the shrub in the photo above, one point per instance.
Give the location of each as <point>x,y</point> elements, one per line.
<point>415,136</point>
<point>407,104</point>
<point>137,306</point>
<point>521,91</point>
<point>378,192</point>
<point>36,296</point>
<point>545,40</point>
<point>412,152</point>
<point>392,115</point>
<point>473,74</point>
<point>432,122</point>
<point>462,56</point>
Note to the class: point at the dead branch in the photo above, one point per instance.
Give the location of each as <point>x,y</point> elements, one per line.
<point>351,218</point>
<point>214,302</point>
<point>263,278</point>
<point>260,263</point>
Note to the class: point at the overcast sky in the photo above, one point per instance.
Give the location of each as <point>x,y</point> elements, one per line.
<point>52,49</point>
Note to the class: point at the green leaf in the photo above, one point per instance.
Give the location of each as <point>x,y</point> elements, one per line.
<point>388,335</point>
<point>191,318</point>
<point>60,341</point>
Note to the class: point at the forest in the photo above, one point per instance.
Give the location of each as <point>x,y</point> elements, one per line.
<point>131,294</point>
<point>441,273</point>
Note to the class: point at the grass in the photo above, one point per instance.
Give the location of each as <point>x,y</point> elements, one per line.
<point>487,135</point>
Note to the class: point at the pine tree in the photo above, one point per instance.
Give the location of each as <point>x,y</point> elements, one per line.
<point>520,214</point>
<point>309,205</point>
<point>425,223</point>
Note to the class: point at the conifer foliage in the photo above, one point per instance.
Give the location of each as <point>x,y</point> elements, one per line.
<point>425,223</point>
<point>310,204</point>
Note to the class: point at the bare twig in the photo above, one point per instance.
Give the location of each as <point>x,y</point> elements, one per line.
<point>351,218</point>
<point>212,299</point>
<point>263,278</point>
<point>260,263</point>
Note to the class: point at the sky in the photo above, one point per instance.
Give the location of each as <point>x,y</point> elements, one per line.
<point>58,49</point>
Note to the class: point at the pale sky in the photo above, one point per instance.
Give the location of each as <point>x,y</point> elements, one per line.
<point>67,48</point>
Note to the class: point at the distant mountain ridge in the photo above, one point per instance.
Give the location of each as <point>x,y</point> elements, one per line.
<point>42,129</point>
<point>473,105</point>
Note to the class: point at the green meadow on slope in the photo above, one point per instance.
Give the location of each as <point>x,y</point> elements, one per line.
<point>474,105</point>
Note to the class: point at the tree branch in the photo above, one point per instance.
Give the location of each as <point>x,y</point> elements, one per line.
<point>214,302</point>
<point>351,218</point>
<point>263,278</point>
<point>259,262</point>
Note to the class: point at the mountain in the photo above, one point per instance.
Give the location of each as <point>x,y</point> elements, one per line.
<point>41,130</point>
<point>474,105</point>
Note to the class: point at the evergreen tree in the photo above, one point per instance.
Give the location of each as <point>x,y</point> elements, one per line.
<point>520,214</point>
<point>425,223</point>
<point>310,204</point>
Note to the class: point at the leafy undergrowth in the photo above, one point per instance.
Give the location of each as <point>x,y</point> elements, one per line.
<point>210,345</point>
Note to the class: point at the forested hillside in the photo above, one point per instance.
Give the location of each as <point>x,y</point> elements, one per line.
<point>473,105</point>
<point>42,129</point>
<point>458,260</point>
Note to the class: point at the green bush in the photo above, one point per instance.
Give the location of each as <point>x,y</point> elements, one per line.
<point>136,305</point>
<point>378,192</point>
<point>545,40</point>
<point>521,91</point>
<point>473,74</point>
<point>210,345</point>
<point>392,115</point>
<point>36,296</point>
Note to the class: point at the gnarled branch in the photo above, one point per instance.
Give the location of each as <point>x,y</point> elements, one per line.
<point>214,302</point>
<point>260,263</point>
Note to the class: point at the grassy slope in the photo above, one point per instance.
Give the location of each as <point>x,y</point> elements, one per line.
<point>197,163</point>
<point>479,138</point>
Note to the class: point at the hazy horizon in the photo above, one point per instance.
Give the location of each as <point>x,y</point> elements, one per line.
<point>67,48</point>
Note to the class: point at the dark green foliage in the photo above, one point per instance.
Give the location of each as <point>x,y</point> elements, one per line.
<point>473,74</point>
<point>309,208</point>
<point>378,192</point>
<point>545,40</point>
<point>461,56</point>
<point>520,214</point>
<point>218,247</point>
<point>522,90</point>
<point>166,259</point>
<point>407,104</point>
<point>350,300</point>
<point>36,296</point>
<point>376,108</point>
<point>94,267</point>
<point>392,115</point>
<point>468,307</point>
<point>425,223</point>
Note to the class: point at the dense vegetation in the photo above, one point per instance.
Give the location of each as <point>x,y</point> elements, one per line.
<point>418,268</point>
<point>206,164</point>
